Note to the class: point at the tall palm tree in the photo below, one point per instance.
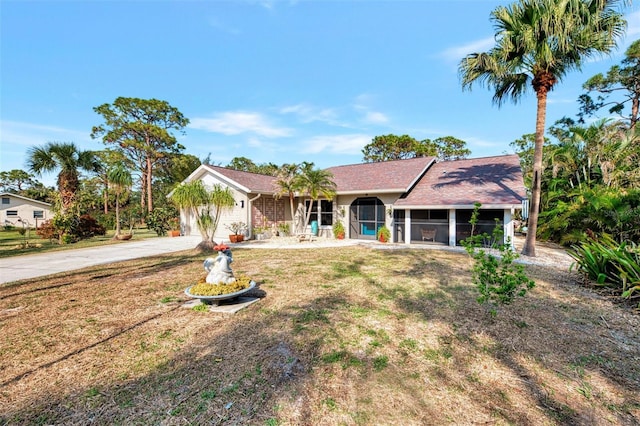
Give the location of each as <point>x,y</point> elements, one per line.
<point>120,180</point>
<point>315,183</point>
<point>69,160</point>
<point>287,183</point>
<point>205,206</point>
<point>539,42</point>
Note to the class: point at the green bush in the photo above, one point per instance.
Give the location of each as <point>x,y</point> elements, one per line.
<point>609,263</point>
<point>159,220</point>
<point>498,279</point>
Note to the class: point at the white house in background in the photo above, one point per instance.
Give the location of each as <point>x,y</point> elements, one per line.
<point>16,210</point>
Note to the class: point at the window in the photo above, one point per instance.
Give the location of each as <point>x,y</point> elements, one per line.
<point>430,215</point>
<point>38,214</point>
<point>6,200</point>
<point>326,212</point>
<point>13,213</point>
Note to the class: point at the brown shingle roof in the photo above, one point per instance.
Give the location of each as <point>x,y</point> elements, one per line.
<point>386,176</point>
<point>489,180</point>
<point>253,182</point>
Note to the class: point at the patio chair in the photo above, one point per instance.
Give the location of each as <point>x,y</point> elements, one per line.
<point>428,234</point>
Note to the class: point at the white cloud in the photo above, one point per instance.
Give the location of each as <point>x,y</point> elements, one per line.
<point>238,122</point>
<point>308,113</point>
<point>337,144</point>
<point>374,117</point>
<point>457,53</point>
<point>362,103</point>
<point>633,24</point>
<point>31,134</point>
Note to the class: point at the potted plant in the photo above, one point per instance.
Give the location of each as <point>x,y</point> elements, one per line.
<point>338,230</point>
<point>174,224</point>
<point>384,235</point>
<point>283,229</point>
<point>238,229</point>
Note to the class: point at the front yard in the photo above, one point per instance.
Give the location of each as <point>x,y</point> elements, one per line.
<point>340,336</point>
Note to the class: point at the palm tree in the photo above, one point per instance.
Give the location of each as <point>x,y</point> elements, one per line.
<point>315,183</point>
<point>286,183</point>
<point>205,206</point>
<point>120,180</point>
<point>539,42</point>
<point>68,159</point>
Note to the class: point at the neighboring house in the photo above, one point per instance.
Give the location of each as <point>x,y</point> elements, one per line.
<point>419,200</point>
<point>16,210</point>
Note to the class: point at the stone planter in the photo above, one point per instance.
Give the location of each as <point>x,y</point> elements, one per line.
<point>215,300</point>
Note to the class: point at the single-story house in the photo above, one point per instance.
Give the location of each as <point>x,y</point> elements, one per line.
<point>420,200</point>
<point>16,210</point>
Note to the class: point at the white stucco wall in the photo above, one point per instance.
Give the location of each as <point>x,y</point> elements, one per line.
<point>239,213</point>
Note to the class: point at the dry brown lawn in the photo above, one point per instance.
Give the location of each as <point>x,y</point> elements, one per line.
<point>340,337</point>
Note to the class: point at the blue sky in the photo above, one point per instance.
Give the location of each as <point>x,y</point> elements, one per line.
<point>274,81</point>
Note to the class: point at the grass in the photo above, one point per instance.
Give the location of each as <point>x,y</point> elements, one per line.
<point>13,244</point>
<point>354,336</point>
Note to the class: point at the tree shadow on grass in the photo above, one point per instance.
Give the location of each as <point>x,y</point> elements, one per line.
<point>242,369</point>
<point>562,336</point>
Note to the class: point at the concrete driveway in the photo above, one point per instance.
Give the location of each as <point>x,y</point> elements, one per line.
<point>37,265</point>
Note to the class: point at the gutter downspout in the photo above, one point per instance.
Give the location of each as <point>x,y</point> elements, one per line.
<point>249,215</point>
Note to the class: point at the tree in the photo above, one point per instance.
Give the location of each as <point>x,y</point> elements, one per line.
<point>120,180</point>
<point>172,170</point>
<point>539,42</point>
<point>205,206</point>
<point>141,128</point>
<point>624,80</point>
<point>315,183</point>
<point>450,148</point>
<point>246,165</point>
<point>287,183</point>
<point>393,147</point>
<point>40,192</point>
<point>69,160</point>
<point>15,181</point>
<point>108,158</point>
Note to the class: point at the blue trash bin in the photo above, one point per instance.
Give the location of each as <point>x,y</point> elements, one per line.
<point>314,228</point>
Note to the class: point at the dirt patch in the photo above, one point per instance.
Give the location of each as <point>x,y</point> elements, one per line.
<point>340,336</point>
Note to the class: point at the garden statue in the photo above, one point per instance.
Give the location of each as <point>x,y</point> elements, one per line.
<point>218,269</point>
<point>219,284</point>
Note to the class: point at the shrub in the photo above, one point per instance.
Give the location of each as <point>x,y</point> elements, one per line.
<point>160,219</point>
<point>609,263</point>
<point>89,227</point>
<point>338,230</point>
<point>496,277</point>
<point>48,231</point>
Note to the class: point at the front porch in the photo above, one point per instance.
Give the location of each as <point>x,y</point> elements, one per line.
<point>446,227</point>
